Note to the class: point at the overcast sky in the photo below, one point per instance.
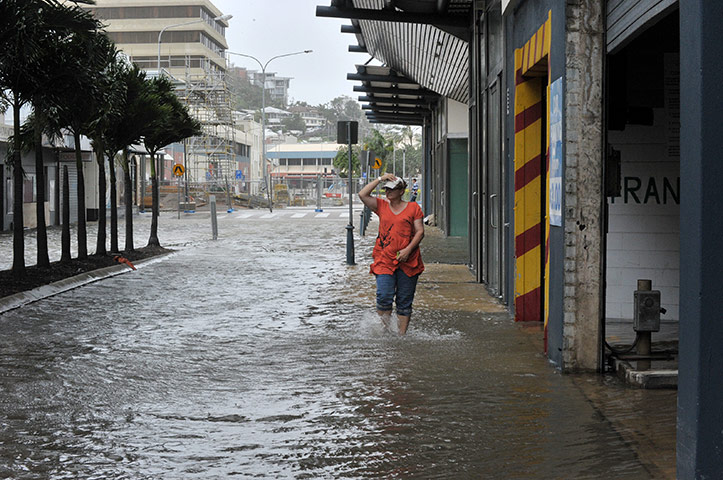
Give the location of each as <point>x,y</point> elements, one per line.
<point>266,28</point>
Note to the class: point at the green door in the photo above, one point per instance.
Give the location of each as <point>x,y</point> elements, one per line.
<point>458,184</point>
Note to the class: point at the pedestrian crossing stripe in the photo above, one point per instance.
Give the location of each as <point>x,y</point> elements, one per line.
<point>290,214</point>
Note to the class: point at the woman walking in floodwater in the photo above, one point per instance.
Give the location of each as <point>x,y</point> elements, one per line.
<point>397,261</point>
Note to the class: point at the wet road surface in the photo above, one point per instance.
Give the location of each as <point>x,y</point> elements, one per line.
<point>259,356</point>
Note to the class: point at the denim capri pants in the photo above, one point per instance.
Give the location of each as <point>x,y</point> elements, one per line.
<point>396,286</point>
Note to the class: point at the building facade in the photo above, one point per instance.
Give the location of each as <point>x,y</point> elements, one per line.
<point>186,40</point>
<point>589,162</point>
<point>277,88</point>
<point>194,48</point>
<point>294,163</point>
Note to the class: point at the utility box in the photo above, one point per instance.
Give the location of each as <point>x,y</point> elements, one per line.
<point>646,315</point>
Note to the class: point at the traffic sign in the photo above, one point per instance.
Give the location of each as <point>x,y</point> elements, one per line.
<point>178,170</point>
<point>240,175</point>
<point>377,163</point>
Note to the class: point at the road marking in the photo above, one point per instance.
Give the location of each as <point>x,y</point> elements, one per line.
<point>280,215</point>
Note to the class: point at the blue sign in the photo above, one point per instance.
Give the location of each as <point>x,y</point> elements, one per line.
<point>240,175</point>
<point>555,193</point>
<point>209,176</point>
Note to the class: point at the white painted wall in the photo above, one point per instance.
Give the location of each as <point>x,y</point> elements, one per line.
<point>457,119</point>
<point>644,224</point>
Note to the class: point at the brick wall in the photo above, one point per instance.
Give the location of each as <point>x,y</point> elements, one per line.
<point>644,223</point>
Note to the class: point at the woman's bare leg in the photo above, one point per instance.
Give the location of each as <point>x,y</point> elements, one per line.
<point>386,317</point>
<point>403,323</point>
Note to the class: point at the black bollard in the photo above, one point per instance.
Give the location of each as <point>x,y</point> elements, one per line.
<point>350,245</point>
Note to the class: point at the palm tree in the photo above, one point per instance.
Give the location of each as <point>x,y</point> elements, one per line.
<point>31,138</point>
<point>27,29</point>
<point>107,113</point>
<point>173,125</point>
<point>140,109</point>
<point>110,134</point>
<point>81,101</point>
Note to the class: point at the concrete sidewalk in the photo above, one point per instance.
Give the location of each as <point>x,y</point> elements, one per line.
<point>645,419</point>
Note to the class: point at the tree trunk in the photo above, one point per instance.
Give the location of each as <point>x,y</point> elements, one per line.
<point>113,204</point>
<point>128,199</point>
<point>41,232</point>
<point>153,239</point>
<point>18,233</point>
<point>82,231</point>
<point>101,241</point>
<point>65,235</point>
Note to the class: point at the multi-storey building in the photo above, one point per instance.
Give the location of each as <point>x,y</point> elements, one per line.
<point>294,163</point>
<point>190,33</point>
<point>186,39</point>
<point>277,88</point>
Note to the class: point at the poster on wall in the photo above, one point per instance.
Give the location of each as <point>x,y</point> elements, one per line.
<point>555,193</point>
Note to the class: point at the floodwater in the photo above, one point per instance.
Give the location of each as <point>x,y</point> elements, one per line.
<point>259,356</point>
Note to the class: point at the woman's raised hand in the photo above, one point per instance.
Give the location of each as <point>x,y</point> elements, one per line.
<point>387,177</point>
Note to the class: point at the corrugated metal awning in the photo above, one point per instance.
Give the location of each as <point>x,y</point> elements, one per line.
<point>392,98</point>
<point>423,46</point>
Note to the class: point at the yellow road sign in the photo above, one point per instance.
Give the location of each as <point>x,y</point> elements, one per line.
<point>377,163</point>
<point>178,169</point>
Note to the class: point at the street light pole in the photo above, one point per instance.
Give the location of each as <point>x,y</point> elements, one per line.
<point>263,113</point>
<point>350,227</point>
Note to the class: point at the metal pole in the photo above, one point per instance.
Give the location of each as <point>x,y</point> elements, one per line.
<point>179,197</point>
<point>318,194</point>
<point>263,111</point>
<point>142,203</point>
<point>229,202</point>
<point>644,338</point>
<point>350,227</point>
<point>263,136</point>
<point>404,163</point>
<point>214,220</point>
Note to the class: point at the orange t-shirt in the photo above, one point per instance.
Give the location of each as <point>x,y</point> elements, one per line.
<point>395,233</point>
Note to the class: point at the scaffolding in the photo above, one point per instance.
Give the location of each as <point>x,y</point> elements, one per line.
<point>211,157</point>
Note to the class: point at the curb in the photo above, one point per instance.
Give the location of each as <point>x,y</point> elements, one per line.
<point>651,379</point>
<point>11,302</point>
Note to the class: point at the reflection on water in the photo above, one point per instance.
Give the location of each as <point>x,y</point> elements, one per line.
<point>253,357</point>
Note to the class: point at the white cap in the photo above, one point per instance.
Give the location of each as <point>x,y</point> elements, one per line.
<point>392,184</point>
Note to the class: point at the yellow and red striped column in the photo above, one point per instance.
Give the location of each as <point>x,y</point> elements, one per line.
<point>531,162</point>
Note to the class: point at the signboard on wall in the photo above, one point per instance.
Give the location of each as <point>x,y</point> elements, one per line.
<point>555,193</point>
